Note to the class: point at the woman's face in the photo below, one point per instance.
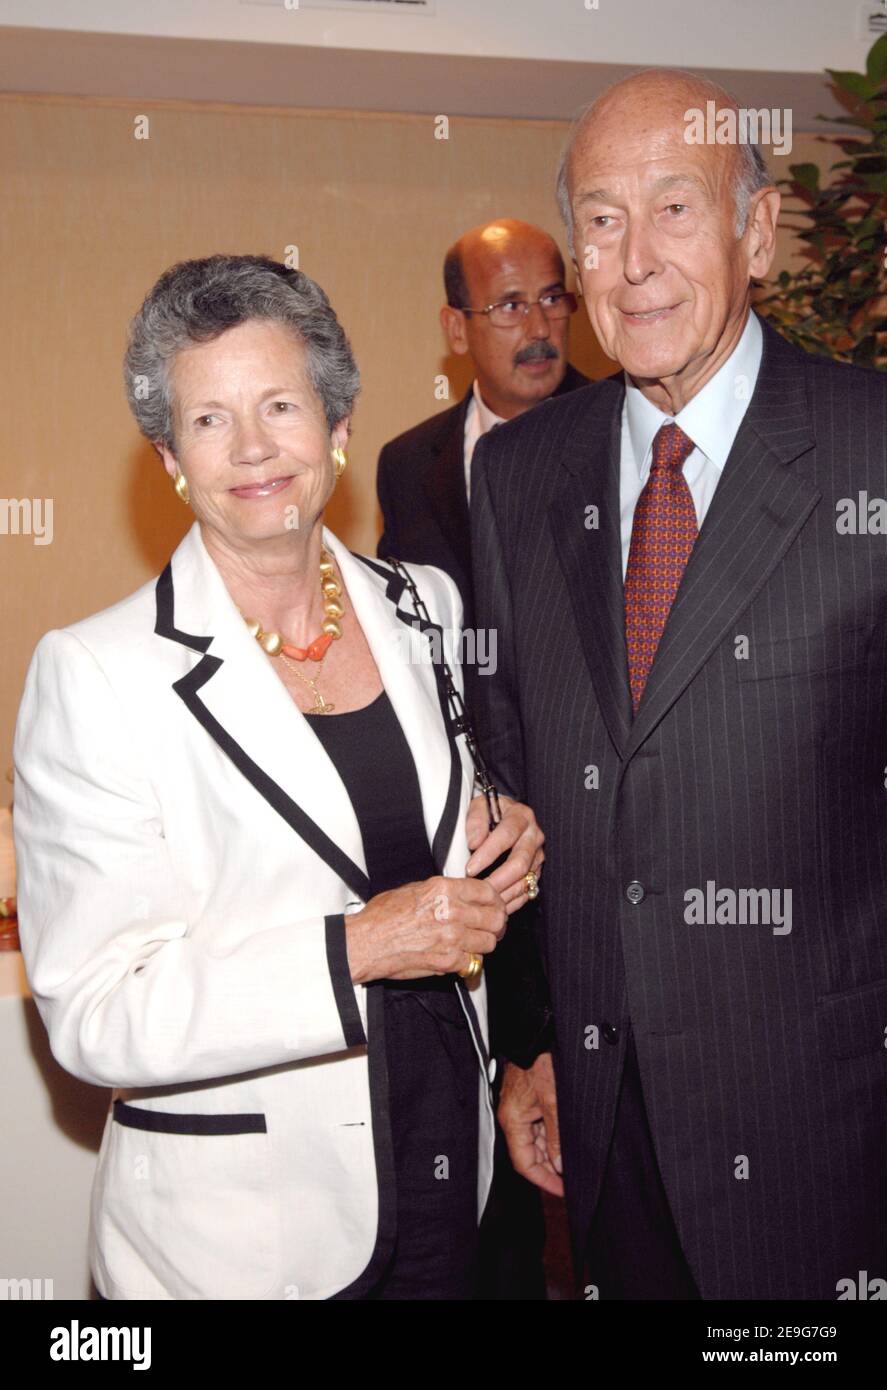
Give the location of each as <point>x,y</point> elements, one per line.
<point>251,434</point>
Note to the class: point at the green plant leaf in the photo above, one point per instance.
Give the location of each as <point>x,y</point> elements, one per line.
<point>844,120</point>
<point>833,302</point>
<point>807,175</point>
<point>876,59</point>
<point>856,83</point>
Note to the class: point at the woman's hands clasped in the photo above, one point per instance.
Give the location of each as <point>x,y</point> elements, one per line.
<point>434,927</point>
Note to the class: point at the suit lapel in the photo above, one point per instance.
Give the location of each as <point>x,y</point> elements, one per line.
<point>758,509</point>
<point>444,480</point>
<point>236,696</point>
<point>588,548</point>
<point>444,483</point>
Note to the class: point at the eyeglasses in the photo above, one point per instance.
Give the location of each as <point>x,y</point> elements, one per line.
<point>560,304</point>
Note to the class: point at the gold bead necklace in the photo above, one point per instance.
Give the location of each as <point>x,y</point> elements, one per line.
<point>331,630</point>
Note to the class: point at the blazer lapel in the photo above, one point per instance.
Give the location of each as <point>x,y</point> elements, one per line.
<point>588,548</point>
<point>415,687</point>
<point>245,708</point>
<point>236,696</point>
<point>758,509</point>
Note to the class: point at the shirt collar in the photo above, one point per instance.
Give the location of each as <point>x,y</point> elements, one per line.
<point>712,418</point>
<point>485,416</point>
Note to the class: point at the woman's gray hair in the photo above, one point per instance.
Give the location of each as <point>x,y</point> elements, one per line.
<point>751,175</point>
<point>196,301</point>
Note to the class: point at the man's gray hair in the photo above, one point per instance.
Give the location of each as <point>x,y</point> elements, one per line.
<point>751,175</point>
<point>196,301</point>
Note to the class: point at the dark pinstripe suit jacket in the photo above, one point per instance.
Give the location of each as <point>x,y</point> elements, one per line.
<point>758,760</point>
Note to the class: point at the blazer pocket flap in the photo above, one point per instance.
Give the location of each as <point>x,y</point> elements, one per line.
<point>173,1122</point>
<point>855,1022</point>
<point>802,656</point>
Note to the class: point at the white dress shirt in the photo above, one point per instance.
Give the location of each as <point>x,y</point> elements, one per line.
<point>711,419</point>
<point>478,419</point>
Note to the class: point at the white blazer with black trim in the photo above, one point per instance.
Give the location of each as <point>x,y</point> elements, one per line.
<point>186,853</point>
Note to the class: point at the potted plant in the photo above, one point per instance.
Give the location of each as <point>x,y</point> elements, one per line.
<point>836,302</point>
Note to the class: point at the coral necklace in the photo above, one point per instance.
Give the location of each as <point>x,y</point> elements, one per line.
<point>331,630</point>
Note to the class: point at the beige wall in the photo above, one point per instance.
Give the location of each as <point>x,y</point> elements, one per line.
<point>94,215</point>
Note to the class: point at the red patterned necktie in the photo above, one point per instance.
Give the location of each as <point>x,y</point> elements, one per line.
<point>662,535</point>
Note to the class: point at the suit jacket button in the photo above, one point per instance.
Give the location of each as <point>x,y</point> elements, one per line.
<point>635,892</point>
<point>491,1069</point>
<point>610,1032</point>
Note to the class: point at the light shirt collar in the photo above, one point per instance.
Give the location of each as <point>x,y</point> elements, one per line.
<point>486,418</point>
<point>712,418</point>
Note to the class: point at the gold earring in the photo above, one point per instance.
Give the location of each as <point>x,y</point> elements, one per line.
<point>180,483</point>
<point>340,462</point>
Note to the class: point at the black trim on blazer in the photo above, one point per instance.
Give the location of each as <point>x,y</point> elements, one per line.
<point>446,826</point>
<point>343,988</point>
<point>187,687</point>
<point>165,625</point>
<point>474,1022</point>
<point>341,864</point>
<point>383,1148</point>
<point>395,584</point>
<point>169,1122</point>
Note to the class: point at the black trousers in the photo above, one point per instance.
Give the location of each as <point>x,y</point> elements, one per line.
<point>512,1235</point>
<point>633,1250</point>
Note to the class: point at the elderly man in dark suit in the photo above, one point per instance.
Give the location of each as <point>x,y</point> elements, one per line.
<point>691,682</point>
<point>509,308</point>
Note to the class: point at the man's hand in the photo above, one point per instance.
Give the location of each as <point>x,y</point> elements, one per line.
<point>518,832</point>
<point>528,1116</point>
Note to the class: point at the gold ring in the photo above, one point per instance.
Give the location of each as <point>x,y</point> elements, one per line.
<point>473,968</point>
<point>532,883</point>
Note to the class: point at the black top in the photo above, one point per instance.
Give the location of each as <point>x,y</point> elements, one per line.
<point>374,761</point>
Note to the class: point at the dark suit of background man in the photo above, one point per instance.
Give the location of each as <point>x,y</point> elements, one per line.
<point>519,357</point>
<point>509,308</point>
<point>721,1071</point>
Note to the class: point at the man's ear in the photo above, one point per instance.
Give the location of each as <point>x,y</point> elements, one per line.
<point>763,216</point>
<point>453,323</point>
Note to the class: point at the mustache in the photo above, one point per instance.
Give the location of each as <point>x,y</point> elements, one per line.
<point>535,352</point>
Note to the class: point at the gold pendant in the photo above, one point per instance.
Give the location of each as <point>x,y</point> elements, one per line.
<point>321,706</point>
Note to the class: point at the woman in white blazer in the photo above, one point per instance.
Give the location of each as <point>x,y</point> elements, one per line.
<point>248,850</point>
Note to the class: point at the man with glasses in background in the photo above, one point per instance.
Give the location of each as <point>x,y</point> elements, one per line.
<point>507,307</point>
